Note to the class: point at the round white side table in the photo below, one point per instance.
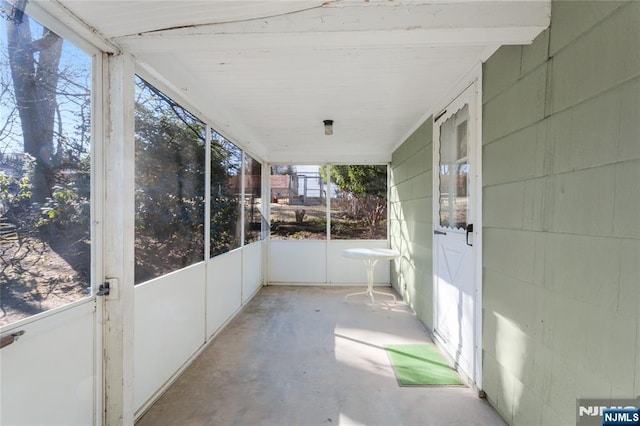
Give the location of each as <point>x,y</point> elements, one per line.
<point>370,257</point>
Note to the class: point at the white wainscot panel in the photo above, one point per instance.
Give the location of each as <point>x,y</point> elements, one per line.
<point>224,287</point>
<point>298,262</point>
<point>251,269</point>
<point>343,270</point>
<point>48,374</point>
<point>169,327</point>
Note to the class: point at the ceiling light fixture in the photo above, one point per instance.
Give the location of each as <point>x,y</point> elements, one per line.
<point>328,127</point>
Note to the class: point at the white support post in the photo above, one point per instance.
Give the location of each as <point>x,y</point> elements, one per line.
<point>207,195</point>
<point>266,224</point>
<point>119,184</point>
<point>327,244</point>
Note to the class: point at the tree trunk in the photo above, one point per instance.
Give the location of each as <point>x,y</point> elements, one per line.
<point>35,79</point>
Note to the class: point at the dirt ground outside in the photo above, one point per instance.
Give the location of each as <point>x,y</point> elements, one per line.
<point>298,222</point>
<point>36,277</point>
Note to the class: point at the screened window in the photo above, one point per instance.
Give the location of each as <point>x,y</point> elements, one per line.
<point>226,190</point>
<point>45,169</point>
<point>358,202</point>
<point>169,184</point>
<point>358,195</point>
<point>298,202</point>
<point>253,213</point>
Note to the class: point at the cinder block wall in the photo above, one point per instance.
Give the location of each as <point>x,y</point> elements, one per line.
<point>561,209</point>
<point>410,221</point>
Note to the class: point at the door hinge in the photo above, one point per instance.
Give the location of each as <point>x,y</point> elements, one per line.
<point>104,288</point>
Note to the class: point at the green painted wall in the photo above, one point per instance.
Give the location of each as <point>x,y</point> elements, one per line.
<point>561,209</point>
<point>410,196</point>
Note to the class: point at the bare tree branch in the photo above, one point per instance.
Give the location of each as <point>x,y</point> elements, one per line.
<point>48,41</point>
<point>8,124</point>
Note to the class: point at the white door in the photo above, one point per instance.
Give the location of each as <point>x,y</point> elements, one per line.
<point>455,211</point>
<point>50,330</point>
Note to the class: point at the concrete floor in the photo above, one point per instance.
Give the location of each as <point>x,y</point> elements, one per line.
<point>301,356</point>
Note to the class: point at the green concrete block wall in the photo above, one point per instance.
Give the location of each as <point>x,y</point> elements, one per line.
<point>410,220</point>
<point>561,210</point>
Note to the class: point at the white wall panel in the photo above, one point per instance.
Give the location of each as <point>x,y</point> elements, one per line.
<point>321,262</point>
<point>169,327</point>
<point>48,374</point>
<point>298,262</point>
<point>251,269</point>
<point>224,286</point>
<point>342,270</point>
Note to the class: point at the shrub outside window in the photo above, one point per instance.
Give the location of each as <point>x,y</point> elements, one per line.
<point>226,190</point>
<point>358,202</point>
<point>169,176</point>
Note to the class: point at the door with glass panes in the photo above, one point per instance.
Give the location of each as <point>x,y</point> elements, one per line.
<point>455,209</point>
<point>50,351</point>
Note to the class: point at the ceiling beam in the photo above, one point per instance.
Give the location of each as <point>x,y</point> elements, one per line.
<point>437,37</point>
<point>349,24</point>
<point>354,16</point>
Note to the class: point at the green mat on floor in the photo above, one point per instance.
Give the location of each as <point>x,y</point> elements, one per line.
<point>421,365</point>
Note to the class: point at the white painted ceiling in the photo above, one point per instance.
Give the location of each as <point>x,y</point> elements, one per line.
<point>267,73</point>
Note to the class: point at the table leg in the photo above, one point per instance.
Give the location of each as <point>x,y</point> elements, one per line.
<point>370,264</point>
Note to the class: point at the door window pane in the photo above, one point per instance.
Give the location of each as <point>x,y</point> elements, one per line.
<point>253,215</point>
<point>170,173</point>
<point>298,203</point>
<point>226,190</point>
<point>358,202</point>
<point>454,170</point>
<point>45,170</point>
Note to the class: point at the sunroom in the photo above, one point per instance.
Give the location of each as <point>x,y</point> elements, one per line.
<point>162,162</point>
